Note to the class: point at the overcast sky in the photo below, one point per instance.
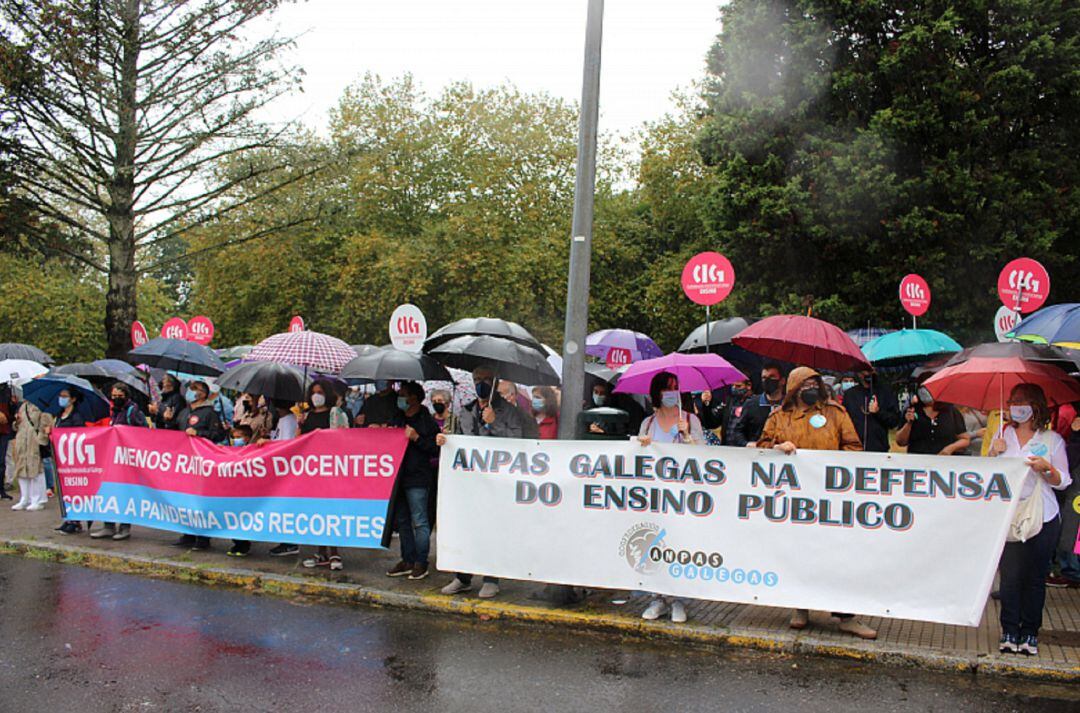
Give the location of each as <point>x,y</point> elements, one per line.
<point>651,47</point>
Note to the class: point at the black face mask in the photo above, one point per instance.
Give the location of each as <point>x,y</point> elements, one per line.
<point>770,385</point>
<point>809,397</point>
<point>740,392</point>
<point>483,390</point>
<point>118,402</point>
<point>439,407</point>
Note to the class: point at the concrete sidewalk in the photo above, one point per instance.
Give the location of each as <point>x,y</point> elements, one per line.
<point>904,642</point>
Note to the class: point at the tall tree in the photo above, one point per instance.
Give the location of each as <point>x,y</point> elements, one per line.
<point>853,142</point>
<point>129,108</point>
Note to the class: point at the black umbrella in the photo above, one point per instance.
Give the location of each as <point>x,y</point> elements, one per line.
<point>266,378</point>
<point>178,355</point>
<point>484,326</point>
<point>10,350</point>
<point>365,349</point>
<point>394,365</point>
<point>102,377</point>
<point>720,332</point>
<point>1066,359</point>
<point>82,370</point>
<point>599,374</point>
<point>509,359</point>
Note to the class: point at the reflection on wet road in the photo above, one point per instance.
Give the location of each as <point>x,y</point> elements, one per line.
<point>82,640</point>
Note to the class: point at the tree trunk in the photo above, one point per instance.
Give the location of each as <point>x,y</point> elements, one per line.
<point>120,306</point>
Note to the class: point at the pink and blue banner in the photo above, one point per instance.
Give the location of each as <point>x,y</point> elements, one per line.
<point>328,487</point>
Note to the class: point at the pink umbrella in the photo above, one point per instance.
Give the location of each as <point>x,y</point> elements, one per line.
<point>696,372</point>
<point>802,340</point>
<point>308,350</point>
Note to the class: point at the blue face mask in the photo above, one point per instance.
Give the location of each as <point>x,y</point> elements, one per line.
<point>382,384</point>
<point>402,403</point>
<point>537,403</point>
<point>64,401</point>
<point>238,442</point>
<point>191,395</point>
<point>599,399</point>
<point>669,398</point>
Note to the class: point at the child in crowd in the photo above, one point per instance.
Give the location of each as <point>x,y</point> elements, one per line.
<point>240,436</point>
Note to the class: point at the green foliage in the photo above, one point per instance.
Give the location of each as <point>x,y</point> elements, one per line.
<point>59,308</point>
<point>852,143</point>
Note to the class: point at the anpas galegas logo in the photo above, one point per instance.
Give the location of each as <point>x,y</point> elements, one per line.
<point>73,450</point>
<point>636,543</point>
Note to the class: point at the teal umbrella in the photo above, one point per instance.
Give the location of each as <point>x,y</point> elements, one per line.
<point>908,347</point>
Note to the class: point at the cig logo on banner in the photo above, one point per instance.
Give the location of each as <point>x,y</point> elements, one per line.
<point>73,450</point>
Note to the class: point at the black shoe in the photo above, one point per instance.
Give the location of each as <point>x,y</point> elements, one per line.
<point>1009,644</point>
<point>201,543</point>
<point>5,496</point>
<point>69,528</point>
<point>184,541</point>
<point>284,550</point>
<point>237,551</point>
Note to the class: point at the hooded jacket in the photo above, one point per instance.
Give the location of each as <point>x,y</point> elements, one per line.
<point>799,424</point>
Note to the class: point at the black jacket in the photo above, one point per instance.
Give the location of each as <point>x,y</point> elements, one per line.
<point>755,413</point>
<point>416,465</point>
<point>204,420</point>
<point>175,401</point>
<point>732,412</point>
<point>873,428</point>
<point>129,415</point>
<point>416,470</point>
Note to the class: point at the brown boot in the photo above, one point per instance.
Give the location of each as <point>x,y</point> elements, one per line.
<point>853,626</point>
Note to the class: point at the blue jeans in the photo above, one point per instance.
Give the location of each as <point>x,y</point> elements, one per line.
<point>1069,564</point>
<point>50,472</point>
<point>413,527</point>
<point>1024,566</point>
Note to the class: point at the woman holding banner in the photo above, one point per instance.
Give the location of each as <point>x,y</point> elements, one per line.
<point>319,416</point>
<point>1026,562</point>
<point>810,419</point>
<point>669,423</point>
<point>68,400</point>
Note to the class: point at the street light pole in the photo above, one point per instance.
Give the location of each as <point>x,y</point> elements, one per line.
<point>577,292</point>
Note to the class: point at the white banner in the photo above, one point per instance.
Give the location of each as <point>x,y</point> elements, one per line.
<point>893,535</point>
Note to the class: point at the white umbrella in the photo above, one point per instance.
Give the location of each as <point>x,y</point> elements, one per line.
<point>19,371</point>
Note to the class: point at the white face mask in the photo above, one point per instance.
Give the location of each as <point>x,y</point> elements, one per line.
<point>1021,413</point>
<point>318,400</point>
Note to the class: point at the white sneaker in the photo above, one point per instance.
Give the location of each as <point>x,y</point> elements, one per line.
<point>21,505</point>
<point>678,612</point>
<point>488,590</point>
<point>656,609</point>
<point>35,506</point>
<point>456,586</point>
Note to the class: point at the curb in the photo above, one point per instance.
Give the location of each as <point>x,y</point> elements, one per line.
<point>284,586</point>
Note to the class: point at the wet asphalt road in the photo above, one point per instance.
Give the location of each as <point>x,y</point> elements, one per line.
<point>73,639</point>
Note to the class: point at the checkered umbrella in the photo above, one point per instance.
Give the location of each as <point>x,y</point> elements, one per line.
<point>310,350</point>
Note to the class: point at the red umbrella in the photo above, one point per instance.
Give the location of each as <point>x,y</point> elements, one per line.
<point>985,383</point>
<point>802,340</point>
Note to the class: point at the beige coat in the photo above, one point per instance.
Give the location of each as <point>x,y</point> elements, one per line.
<point>31,425</point>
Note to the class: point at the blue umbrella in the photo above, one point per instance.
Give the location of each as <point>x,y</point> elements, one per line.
<point>862,335</point>
<point>43,393</point>
<point>1057,324</point>
<point>178,355</point>
<point>908,346</point>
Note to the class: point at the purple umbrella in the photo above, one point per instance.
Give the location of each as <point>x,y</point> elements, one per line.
<point>696,372</point>
<point>635,346</point>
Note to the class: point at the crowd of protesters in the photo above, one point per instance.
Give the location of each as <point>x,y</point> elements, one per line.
<point>792,409</point>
